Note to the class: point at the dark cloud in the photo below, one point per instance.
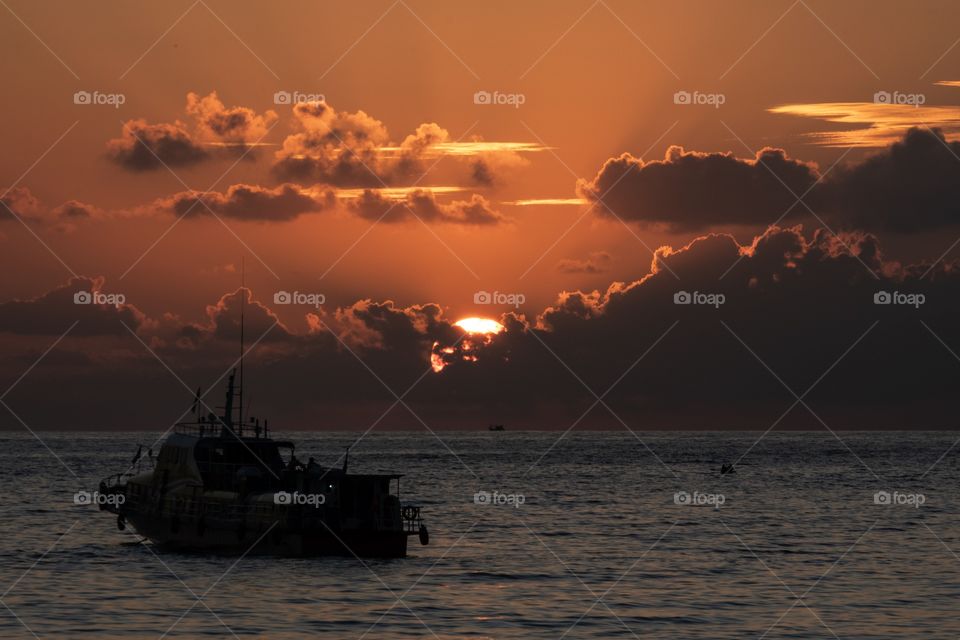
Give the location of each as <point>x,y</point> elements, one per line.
<point>596,262</point>
<point>384,326</point>
<point>28,208</point>
<point>481,173</point>
<point>215,128</point>
<point>146,147</point>
<point>74,210</point>
<point>801,305</point>
<point>334,147</point>
<point>223,320</point>
<point>692,190</point>
<point>18,201</point>
<point>219,124</point>
<point>54,312</point>
<point>797,303</point>
<point>250,202</point>
<point>288,201</point>
<point>911,186</point>
<point>492,168</point>
<point>353,150</point>
<point>422,203</point>
<point>414,148</point>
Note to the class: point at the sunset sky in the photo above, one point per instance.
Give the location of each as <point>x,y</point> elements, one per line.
<point>796,157</point>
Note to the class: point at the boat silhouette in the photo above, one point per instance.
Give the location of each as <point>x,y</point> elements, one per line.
<point>222,484</point>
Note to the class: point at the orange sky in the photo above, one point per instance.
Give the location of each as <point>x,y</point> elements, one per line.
<point>447,153</point>
<point>598,80</point>
<point>475,159</point>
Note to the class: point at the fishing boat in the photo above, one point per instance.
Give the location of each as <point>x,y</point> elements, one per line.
<point>221,483</point>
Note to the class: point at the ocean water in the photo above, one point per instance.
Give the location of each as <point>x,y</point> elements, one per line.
<point>582,538</point>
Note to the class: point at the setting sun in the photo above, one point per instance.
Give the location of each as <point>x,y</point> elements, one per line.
<point>479,325</point>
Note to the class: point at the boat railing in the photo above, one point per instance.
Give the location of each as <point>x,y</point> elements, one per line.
<point>213,429</point>
<point>412,520</point>
<point>197,429</point>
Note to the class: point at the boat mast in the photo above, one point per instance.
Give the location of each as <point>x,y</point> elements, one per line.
<point>243,301</point>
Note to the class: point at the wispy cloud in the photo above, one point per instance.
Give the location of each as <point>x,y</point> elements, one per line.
<point>471,148</point>
<point>873,124</point>
<point>547,202</point>
<point>394,193</point>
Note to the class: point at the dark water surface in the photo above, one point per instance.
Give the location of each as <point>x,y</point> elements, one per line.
<point>598,549</point>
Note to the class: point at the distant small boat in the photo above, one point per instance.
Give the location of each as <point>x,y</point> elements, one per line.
<point>496,427</point>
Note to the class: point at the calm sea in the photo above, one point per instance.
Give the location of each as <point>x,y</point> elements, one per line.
<point>597,536</point>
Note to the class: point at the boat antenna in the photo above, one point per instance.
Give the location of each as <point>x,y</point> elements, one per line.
<point>196,402</point>
<point>243,301</point>
<point>346,454</point>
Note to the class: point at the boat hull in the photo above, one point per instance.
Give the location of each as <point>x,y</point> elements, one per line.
<point>267,539</point>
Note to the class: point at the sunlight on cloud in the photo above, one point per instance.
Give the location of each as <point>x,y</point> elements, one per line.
<point>877,124</point>
<point>547,202</point>
<point>473,148</point>
<point>395,193</point>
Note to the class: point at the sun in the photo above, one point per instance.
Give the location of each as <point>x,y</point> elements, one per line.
<point>479,325</point>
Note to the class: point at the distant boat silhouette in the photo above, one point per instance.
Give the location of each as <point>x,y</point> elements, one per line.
<point>217,487</point>
<point>496,427</point>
